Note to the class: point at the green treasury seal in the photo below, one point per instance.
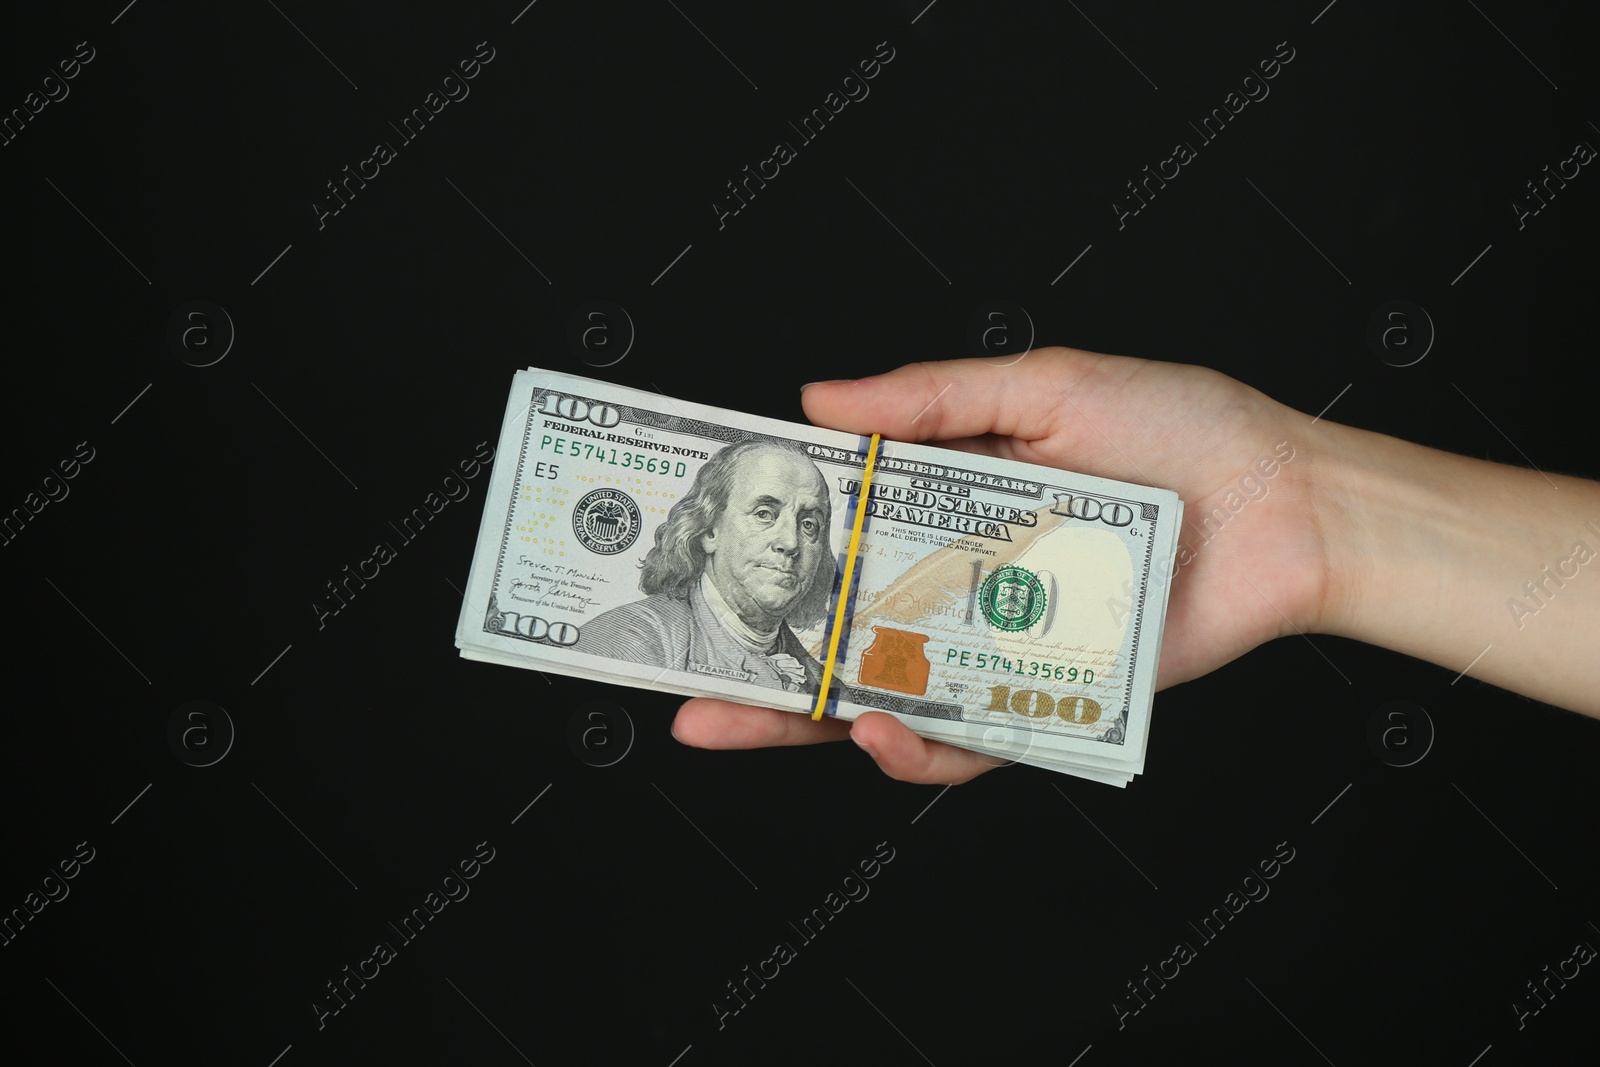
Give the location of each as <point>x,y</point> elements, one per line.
<point>1012,598</point>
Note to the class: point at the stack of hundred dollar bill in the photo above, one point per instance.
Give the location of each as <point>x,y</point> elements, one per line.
<point>1011,609</point>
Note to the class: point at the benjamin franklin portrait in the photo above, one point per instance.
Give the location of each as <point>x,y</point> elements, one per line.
<point>742,561</point>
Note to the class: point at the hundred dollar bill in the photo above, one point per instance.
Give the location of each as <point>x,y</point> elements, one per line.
<point>1009,608</point>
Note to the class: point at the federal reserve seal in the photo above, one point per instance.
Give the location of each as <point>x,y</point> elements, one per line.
<point>607,521</point>
<point>1012,598</point>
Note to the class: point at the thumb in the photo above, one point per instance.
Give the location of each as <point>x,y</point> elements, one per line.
<point>939,401</point>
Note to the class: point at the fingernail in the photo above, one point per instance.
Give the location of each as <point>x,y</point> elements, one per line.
<point>863,746</point>
<point>830,381</point>
<point>674,728</point>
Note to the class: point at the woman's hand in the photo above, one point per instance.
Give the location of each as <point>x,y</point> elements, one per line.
<point>1253,561</point>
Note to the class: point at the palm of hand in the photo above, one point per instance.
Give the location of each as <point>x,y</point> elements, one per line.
<point>1250,566</point>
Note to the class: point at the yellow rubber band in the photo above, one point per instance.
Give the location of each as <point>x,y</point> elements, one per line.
<point>849,571</point>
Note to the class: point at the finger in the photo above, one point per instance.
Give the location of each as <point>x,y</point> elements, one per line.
<point>988,444</point>
<point>706,723</point>
<point>903,755</point>
<point>937,401</point>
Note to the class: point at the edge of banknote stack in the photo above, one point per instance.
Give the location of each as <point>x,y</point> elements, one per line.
<point>1012,609</point>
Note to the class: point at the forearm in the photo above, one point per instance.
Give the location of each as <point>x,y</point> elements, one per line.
<point>1452,560</point>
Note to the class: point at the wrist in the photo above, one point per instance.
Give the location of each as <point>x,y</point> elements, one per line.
<point>1350,490</point>
<point>1323,573</point>
<point>1401,537</point>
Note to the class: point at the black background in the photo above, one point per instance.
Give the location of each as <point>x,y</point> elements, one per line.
<point>183,564</point>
